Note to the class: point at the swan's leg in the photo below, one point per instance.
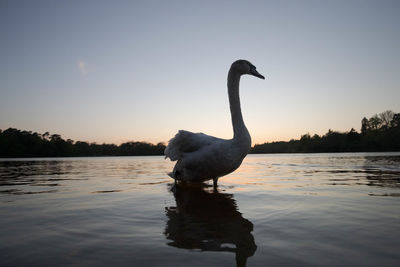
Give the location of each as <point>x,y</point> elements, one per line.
<point>173,188</point>
<point>215,180</point>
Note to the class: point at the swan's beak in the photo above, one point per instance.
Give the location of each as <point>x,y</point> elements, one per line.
<point>254,72</point>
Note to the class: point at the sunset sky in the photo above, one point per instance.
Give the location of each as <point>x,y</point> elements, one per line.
<point>116,71</point>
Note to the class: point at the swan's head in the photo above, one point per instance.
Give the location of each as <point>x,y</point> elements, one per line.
<point>245,67</point>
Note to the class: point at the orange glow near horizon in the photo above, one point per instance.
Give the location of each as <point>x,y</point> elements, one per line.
<point>153,140</point>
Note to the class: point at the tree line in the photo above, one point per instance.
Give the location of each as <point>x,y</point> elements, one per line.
<point>17,143</point>
<point>381,132</point>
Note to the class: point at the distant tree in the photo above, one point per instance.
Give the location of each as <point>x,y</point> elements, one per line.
<point>353,140</point>
<point>82,149</point>
<point>395,123</point>
<point>364,126</point>
<point>305,137</point>
<point>55,137</point>
<point>46,135</point>
<point>375,123</point>
<point>316,137</point>
<point>352,134</point>
<point>386,118</point>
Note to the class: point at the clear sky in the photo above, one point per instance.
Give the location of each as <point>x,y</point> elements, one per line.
<point>115,71</point>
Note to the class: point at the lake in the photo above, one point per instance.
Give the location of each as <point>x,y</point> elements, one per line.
<point>339,209</point>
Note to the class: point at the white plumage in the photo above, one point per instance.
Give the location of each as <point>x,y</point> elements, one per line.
<point>202,157</point>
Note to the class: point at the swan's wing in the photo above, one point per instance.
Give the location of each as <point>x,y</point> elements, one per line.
<point>185,142</point>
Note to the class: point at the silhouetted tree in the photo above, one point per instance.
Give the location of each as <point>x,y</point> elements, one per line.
<point>375,123</point>
<point>46,135</point>
<point>395,123</point>
<point>16,143</point>
<point>386,118</point>
<point>379,133</point>
<point>364,126</point>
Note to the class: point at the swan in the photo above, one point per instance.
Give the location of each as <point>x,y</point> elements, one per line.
<point>202,157</point>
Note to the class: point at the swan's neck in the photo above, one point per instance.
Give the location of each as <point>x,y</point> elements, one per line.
<point>239,128</point>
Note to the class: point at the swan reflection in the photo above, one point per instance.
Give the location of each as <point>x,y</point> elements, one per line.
<point>210,221</point>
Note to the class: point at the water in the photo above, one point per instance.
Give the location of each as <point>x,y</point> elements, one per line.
<point>277,210</point>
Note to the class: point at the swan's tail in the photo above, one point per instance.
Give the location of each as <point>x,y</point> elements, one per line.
<point>173,150</point>
<point>186,142</point>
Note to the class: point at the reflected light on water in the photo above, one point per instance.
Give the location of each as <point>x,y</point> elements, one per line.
<point>280,210</point>
<point>291,172</point>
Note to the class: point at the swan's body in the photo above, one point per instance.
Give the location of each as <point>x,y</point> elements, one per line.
<point>202,157</point>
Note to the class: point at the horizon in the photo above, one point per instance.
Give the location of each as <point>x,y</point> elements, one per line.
<point>126,71</point>
<point>382,121</point>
